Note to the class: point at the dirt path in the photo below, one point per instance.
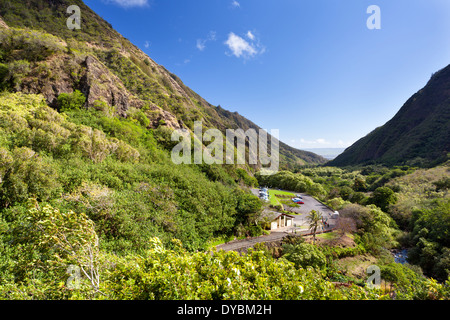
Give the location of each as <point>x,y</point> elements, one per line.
<point>250,242</point>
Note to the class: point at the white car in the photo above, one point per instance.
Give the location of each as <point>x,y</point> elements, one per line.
<point>297,200</point>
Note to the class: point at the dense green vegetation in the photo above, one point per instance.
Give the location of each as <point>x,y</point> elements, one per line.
<point>49,16</point>
<point>113,170</point>
<point>92,207</point>
<point>105,197</point>
<point>386,207</point>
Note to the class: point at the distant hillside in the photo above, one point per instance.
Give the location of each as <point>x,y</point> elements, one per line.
<point>327,153</point>
<point>104,65</point>
<point>419,134</point>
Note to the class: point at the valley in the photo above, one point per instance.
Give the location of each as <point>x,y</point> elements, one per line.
<point>93,205</point>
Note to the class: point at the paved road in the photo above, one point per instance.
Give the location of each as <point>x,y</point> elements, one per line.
<point>273,236</point>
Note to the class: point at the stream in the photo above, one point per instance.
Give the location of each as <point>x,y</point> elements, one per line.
<point>400,255</point>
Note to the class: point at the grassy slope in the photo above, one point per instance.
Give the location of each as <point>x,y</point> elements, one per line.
<point>274,200</point>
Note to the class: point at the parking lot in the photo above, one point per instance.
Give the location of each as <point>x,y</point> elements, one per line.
<point>300,214</point>
<point>311,204</point>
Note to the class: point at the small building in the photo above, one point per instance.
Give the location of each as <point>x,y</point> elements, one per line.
<point>281,220</point>
<point>272,220</point>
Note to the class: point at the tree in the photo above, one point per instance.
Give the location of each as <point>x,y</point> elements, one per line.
<point>314,219</point>
<point>71,101</point>
<point>248,208</point>
<point>359,184</point>
<point>442,184</point>
<point>26,174</point>
<point>373,225</point>
<point>52,241</point>
<point>345,225</point>
<point>304,255</point>
<point>382,197</point>
<point>346,193</point>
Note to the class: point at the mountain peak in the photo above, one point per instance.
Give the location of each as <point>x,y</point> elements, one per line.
<point>419,134</point>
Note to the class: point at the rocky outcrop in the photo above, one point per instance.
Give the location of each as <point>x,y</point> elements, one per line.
<point>3,24</point>
<point>98,83</point>
<point>64,73</point>
<point>49,78</point>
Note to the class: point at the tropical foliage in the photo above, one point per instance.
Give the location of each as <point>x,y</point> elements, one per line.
<point>92,207</point>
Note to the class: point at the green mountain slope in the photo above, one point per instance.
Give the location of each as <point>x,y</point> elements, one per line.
<point>105,66</point>
<point>419,134</point>
<point>85,124</point>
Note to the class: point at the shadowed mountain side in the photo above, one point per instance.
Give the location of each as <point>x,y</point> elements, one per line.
<point>419,134</point>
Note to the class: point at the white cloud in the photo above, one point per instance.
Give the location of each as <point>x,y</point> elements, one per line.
<point>317,142</point>
<point>235,4</point>
<point>250,35</point>
<point>201,43</point>
<point>242,48</point>
<point>320,143</point>
<point>129,3</point>
<point>239,47</point>
<point>147,44</point>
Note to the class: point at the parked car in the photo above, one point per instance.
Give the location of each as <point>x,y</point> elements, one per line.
<point>298,196</point>
<point>297,201</point>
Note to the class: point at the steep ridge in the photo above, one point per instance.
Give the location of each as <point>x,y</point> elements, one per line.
<point>419,134</point>
<point>105,66</point>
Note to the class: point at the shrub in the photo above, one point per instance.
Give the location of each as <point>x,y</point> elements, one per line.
<point>104,108</point>
<point>139,116</point>
<point>27,175</point>
<point>16,71</point>
<point>304,255</point>
<point>29,45</point>
<point>246,178</point>
<point>71,101</point>
<point>382,197</point>
<point>4,72</point>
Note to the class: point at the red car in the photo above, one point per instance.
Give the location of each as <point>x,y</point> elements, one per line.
<point>298,201</point>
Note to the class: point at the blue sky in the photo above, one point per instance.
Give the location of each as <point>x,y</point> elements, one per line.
<point>310,68</point>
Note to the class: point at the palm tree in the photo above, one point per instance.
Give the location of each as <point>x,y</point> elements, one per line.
<point>314,219</point>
